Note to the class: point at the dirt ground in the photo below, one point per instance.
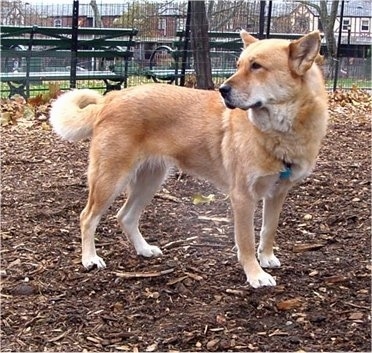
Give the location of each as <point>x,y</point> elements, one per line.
<point>194,298</point>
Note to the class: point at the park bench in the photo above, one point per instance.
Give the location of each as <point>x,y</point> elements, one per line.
<point>225,48</point>
<point>32,54</point>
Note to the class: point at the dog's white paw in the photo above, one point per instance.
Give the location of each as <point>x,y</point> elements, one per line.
<point>261,279</point>
<point>93,261</point>
<point>149,251</point>
<point>268,261</point>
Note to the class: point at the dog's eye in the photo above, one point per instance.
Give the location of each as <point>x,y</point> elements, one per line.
<point>255,66</point>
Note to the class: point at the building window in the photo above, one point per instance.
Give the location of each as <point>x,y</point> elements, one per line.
<point>57,22</point>
<point>345,24</point>
<point>181,24</point>
<point>365,25</point>
<point>162,24</point>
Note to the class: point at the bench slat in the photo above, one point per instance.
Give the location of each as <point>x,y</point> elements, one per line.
<point>7,31</point>
<point>108,54</point>
<point>65,43</point>
<point>58,76</point>
<point>167,74</point>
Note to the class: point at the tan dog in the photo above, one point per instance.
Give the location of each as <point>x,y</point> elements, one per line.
<point>255,152</point>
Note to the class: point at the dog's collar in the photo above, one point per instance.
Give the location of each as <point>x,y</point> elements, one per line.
<point>286,173</point>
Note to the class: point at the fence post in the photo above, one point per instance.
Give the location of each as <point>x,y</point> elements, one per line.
<point>338,46</point>
<point>28,61</point>
<point>74,42</point>
<point>261,28</point>
<point>186,45</point>
<point>269,19</point>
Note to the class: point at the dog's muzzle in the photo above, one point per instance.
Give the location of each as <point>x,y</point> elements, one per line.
<point>225,91</point>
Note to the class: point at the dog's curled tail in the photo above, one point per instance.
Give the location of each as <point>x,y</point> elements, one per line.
<point>73,114</point>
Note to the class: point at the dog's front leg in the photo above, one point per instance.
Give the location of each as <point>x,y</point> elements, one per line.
<point>244,206</point>
<point>272,206</point>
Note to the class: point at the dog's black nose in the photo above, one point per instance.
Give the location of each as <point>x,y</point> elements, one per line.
<point>225,90</point>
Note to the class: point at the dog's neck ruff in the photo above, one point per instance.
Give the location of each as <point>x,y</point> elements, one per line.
<point>272,117</point>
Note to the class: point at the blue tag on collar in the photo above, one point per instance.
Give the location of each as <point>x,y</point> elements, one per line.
<point>286,173</point>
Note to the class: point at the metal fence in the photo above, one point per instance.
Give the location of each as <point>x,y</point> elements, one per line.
<point>158,23</point>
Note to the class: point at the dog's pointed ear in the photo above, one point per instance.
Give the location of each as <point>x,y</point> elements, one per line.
<point>247,38</point>
<point>303,52</point>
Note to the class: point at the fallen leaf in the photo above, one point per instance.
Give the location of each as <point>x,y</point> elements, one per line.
<point>212,344</point>
<point>36,101</point>
<point>45,126</point>
<point>289,304</point>
<point>220,319</point>
<point>54,90</point>
<point>5,119</point>
<point>199,199</point>
<point>151,347</point>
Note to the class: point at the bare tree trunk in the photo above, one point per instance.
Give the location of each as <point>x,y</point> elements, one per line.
<point>97,16</point>
<point>200,45</point>
<point>97,23</point>
<point>328,21</point>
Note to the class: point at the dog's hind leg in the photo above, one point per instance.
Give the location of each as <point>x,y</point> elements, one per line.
<point>141,190</point>
<point>272,206</point>
<point>103,188</point>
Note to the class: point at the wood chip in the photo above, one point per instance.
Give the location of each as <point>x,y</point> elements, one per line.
<point>313,273</point>
<point>278,333</point>
<point>143,274</point>
<point>122,334</point>
<point>336,279</point>
<point>55,339</point>
<point>168,197</point>
<point>356,316</point>
<point>176,280</point>
<point>194,276</point>
<point>307,247</point>
<point>94,339</point>
<point>214,219</point>
<point>235,292</point>
<point>176,243</point>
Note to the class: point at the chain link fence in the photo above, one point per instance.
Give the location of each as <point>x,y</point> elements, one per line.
<point>161,28</point>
